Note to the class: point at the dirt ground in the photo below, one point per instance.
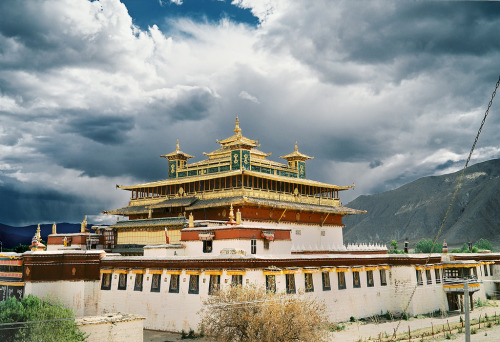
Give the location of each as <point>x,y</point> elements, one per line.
<point>363,331</point>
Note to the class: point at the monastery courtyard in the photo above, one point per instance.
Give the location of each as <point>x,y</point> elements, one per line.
<point>363,331</point>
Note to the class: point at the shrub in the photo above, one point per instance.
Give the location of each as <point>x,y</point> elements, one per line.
<point>249,313</point>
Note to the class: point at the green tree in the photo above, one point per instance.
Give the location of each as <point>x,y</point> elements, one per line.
<point>426,246</point>
<point>252,314</point>
<point>32,319</point>
<point>483,244</point>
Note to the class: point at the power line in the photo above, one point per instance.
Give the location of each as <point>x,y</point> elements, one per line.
<point>459,183</point>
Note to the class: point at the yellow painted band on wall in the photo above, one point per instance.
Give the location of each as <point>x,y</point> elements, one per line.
<point>106,271</point>
<point>9,283</point>
<point>155,271</point>
<point>191,272</point>
<point>178,272</point>
<point>121,271</point>
<point>235,272</point>
<point>272,272</point>
<point>342,270</point>
<point>138,271</point>
<point>308,270</point>
<point>213,272</point>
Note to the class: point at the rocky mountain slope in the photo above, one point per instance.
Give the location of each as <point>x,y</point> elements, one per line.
<point>416,210</point>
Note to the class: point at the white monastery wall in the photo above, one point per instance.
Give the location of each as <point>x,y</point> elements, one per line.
<point>278,247</point>
<point>305,237</point>
<point>82,296</point>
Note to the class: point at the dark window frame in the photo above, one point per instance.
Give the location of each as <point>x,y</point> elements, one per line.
<point>356,280</point>
<point>271,283</point>
<point>437,275</point>
<point>290,283</point>
<point>194,284</point>
<point>122,285</point>
<point>308,282</point>
<point>326,281</point>
<point>155,280</point>
<point>214,284</point>
<point>207,246</point>
<point>420,280</point>
<point>383,277</point>
<point>369,279</point>
<point>253,246</point>
<point>139,280</point>
<point>171,288</point>
<point>106,277</point>
<point>237,280</point>
<point>428,276</point>
<point>341,280</point>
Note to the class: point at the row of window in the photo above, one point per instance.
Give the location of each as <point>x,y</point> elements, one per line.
<point>450,273</point>
<point>214,282</point>
<point>194,282</point>
<point>325,281</point>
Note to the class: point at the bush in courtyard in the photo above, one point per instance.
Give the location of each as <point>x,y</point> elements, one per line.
<point>34,319</point>
<point>250,313</point>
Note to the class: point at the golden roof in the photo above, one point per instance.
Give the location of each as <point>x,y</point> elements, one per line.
<point>296,155</point>
<point>183,180</point>
<point>177,153</point>
<point>237,138</point>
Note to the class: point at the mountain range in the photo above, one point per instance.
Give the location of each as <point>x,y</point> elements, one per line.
<point>416,210</point>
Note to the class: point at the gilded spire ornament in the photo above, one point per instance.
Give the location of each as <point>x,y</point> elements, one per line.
<point>237,129</point>
<point>177,149</point>
<point>83,225</point>
<point>38,236</point>
<point>54,228</point>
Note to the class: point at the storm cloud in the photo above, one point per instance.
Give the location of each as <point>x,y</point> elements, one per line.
<point>381,93</point>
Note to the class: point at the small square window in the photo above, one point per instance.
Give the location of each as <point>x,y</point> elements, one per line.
<point>155,283</point>
<point>323,233</point>
<point>325,276</point>
<point>271,283</point>
<point>266,244</point>
<point>214,284</point>
<point>356,283</point>
<point>437,274</point>
<point>419,277</point>
<point>290,283</point>
<point>122,281</point>
<point>236,280</point>
<point>194,284</point>
<point>138,282</point>
<point>174,284</point>
<point>369,279</point>
<point>106,281</point>
<point>207,246</point>
<point>298,232</point>
<point>383,278</point>
<point>428,276</point>
<point>308,282</point>
<point>341,280</point>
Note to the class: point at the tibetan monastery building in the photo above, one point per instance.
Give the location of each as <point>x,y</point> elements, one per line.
<point>238,175</point>
<point>238,218</point>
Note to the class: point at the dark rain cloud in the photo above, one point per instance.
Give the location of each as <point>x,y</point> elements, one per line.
<point>103,129</point>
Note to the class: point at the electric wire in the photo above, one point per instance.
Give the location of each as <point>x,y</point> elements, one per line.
<point>459,183</point>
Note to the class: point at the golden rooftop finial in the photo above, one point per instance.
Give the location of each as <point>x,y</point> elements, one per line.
<point>237,128</point>
<point>231,213</point>
<point>38,236</point>
<point>296,148</point>
<point>54,228</point>
<point>177,148</point>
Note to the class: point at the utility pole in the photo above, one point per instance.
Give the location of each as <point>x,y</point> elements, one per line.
<point>466,304</point>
